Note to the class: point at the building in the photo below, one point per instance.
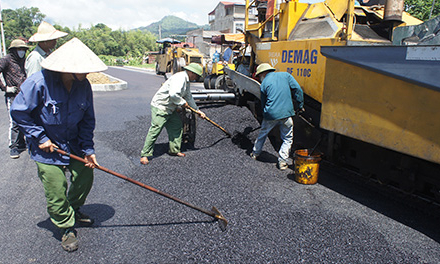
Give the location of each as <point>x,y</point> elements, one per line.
<point>229,17</point>
<point>202,40</point>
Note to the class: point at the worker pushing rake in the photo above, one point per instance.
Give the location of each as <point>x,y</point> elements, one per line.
<point>174,94</point>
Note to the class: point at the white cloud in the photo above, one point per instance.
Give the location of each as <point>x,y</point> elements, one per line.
<point>117,14</point>
<point>127,14</point>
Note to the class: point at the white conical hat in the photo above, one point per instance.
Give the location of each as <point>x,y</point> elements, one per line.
<point>46,32</point>
<point>73,57</point>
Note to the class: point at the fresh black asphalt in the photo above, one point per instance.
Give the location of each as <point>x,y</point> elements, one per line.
<point>272,219</point>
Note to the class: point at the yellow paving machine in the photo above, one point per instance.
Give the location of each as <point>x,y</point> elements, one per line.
<point>372,105</point>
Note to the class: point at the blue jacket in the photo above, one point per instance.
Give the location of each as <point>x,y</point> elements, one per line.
<point>227,54</point>
<point>277,90</point>
<point>45,110</point>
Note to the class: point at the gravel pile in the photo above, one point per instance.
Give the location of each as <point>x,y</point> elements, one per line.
<point>99,78</point>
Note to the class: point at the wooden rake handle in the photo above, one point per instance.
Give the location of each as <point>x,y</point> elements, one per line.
<point>214,213</point>
<point>212,122</point>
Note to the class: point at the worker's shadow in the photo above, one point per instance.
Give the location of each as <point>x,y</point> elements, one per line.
<point>99,212</point>
<point>163,148</point>
<point>159,150</point>
<point>242,140</point>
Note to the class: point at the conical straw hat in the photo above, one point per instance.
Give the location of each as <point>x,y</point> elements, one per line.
<point>263,67</point>
<point>73,57</point>
<point>46,32</point>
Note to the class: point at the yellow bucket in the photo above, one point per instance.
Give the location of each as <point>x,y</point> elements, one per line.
<point>306,166</point>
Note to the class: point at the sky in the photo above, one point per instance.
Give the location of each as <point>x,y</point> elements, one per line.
<point>125,14</point>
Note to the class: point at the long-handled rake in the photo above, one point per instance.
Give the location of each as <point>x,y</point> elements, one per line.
<point>213,213</point>
<point>212,122</point>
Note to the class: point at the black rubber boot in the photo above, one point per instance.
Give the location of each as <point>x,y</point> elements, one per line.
<point>83,219</point>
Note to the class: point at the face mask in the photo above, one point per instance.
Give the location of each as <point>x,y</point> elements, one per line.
<point>21,53</point>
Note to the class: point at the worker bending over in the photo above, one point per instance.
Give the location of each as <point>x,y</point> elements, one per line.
<point>277,91</point>
<point>173,95</point>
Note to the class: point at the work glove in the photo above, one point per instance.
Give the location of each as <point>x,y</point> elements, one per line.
<point>11,89</point>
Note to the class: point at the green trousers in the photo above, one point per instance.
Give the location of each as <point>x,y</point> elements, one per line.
<point>173,125</point>
<point>61,199</point>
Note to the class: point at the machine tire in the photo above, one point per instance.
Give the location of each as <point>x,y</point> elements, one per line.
<point>157,69</point>
<point>178,64</point>
<point>207,82</point>
<point>189,127</point>
<point>213,81</point>
<point>220,82</point>
<point>224,82</point>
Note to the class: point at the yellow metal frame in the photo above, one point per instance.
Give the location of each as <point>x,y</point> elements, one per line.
<point>165,60</point>
<point>259,26</point>
<point>381,110</point>
<point>350,19</point>
<point>302,59</point>
<point>217,68</point>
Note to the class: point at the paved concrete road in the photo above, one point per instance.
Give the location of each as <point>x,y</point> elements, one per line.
<point>272,219</point>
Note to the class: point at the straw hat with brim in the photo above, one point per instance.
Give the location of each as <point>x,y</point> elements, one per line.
<point>46,32</point>
<point>17,44</point>
<point>73,57</point>
<point>263,67</point>
<point>195,68</point>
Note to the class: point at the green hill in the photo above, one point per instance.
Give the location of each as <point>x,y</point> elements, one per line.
<point>171,26</point>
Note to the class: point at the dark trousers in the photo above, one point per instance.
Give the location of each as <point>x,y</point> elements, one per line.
<point>16,137</point>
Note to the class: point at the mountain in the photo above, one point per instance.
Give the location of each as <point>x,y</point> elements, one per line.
<point>171,26</point>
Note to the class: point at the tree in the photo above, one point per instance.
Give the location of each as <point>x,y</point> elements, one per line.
<point>421,9</point>
<point>21,23</point>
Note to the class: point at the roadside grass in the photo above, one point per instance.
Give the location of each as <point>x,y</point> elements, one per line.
<point>123,61</point>
<point>146,66</point>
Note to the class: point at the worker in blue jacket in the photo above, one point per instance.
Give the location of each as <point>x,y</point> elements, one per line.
<point>54,109</point>
<point>277,90</point>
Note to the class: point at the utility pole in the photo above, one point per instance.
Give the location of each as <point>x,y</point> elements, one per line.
<point>3,44</point>
<point>432,8</point>
<point>160,32</point>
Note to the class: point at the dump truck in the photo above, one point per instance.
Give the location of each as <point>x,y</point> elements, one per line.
<point>372,105</point>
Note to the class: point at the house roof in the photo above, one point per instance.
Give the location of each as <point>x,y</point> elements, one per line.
<point>183,44</point>
<point>229,3</point>
<point>228,38</point>
<point>209,34</point>
<point>202,33</point>
<point>225,3</point>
